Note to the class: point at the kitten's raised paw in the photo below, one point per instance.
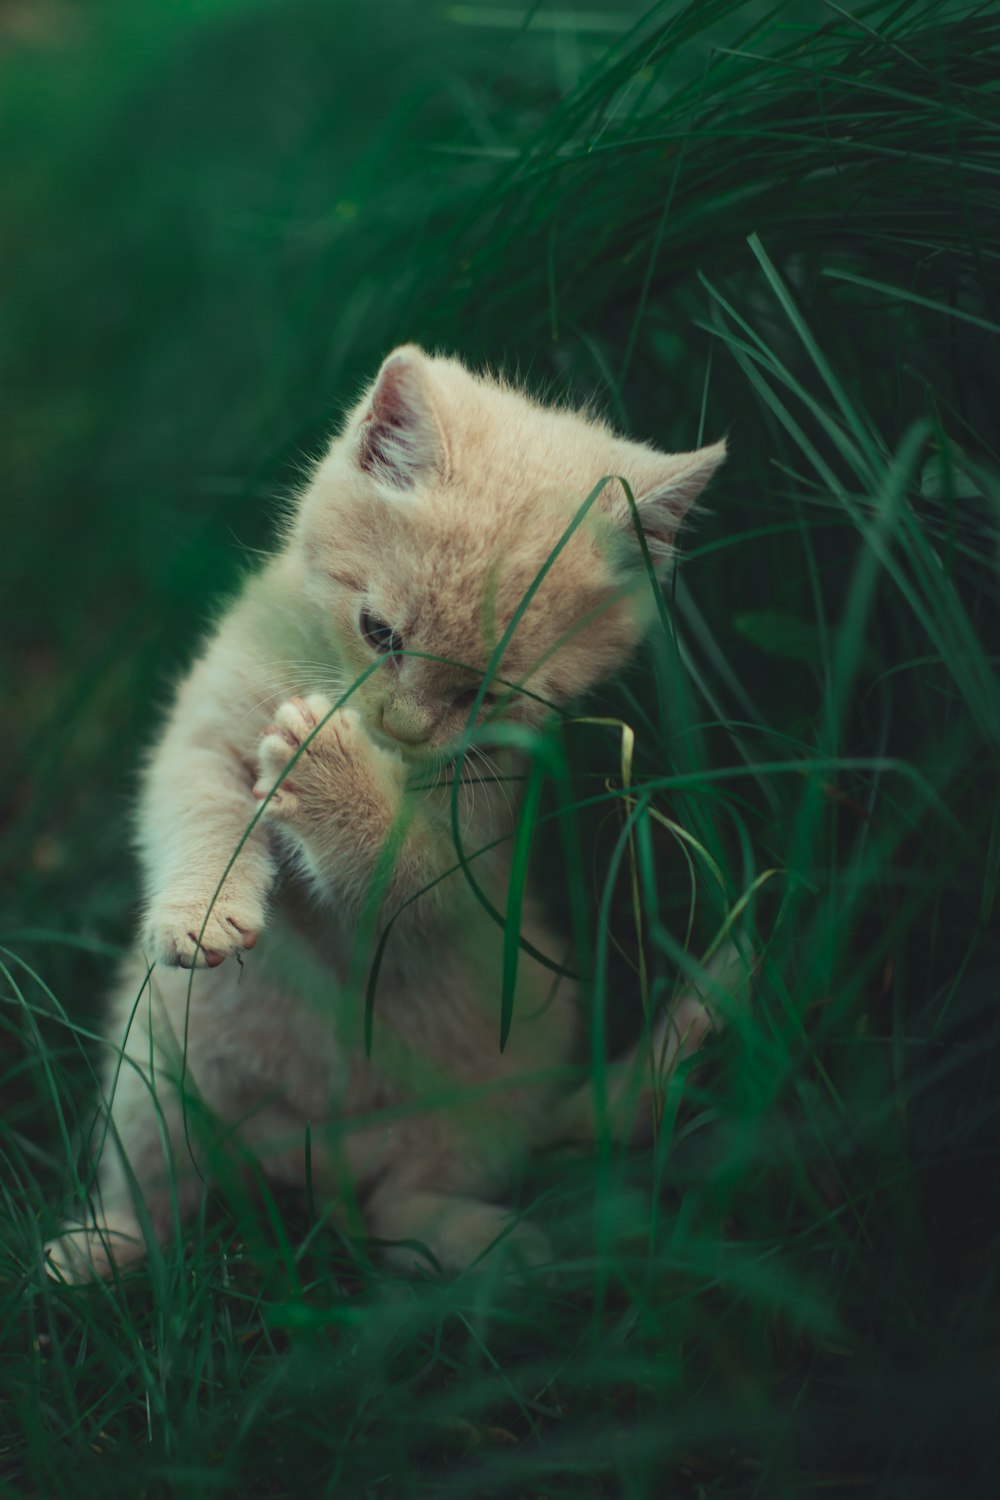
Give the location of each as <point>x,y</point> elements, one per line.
<point>328,754</point>
<point>294,725</point>
<point>178,935</point>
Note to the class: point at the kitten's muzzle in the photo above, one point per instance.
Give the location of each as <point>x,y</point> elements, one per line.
<point>407,723</point>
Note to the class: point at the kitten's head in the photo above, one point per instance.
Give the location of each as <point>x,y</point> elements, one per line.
<point>433,514</point>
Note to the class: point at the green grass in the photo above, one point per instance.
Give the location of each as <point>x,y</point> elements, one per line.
<point>774,220</point>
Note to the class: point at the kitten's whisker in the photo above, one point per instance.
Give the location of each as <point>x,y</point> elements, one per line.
<point>321,676</point>
<point>499,781</point>
<point>297,685</point>
<point>468,785</point>
<point>477,753</point>
<point>279,693</point>
<point>470,801</point>
<point>271,702</point>
<point>496,782</point>
<point>443,767</point>
<point>300,661</point>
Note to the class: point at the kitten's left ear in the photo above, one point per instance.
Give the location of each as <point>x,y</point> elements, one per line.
<point>401,439</point>
<point>665,486</point>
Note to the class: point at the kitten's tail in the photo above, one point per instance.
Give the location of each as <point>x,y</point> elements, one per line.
<point>635,1084</point>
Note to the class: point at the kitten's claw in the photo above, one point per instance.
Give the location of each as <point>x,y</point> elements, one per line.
<point>174,934</point>
<point>248,936</point>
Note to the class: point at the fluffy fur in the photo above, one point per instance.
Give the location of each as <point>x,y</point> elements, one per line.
<point>417,539</point>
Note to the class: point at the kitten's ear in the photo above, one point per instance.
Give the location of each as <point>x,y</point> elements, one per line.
<point>401,440</point>
<point>665,486</point>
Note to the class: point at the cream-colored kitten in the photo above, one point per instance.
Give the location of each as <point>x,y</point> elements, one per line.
<point>419,537</point>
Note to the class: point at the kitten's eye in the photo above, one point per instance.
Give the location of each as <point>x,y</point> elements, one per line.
<point>464,701</point>
<point>379,635</point>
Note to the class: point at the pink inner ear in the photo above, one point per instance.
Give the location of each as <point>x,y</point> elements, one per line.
<point>382,454</point>
<point>389,399</point>
<point>665,492</point>
<point>395,435</point>
<point>660,536</point>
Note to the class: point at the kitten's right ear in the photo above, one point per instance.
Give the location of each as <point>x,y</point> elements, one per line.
<point>665,486</point>
<point>401,440</point>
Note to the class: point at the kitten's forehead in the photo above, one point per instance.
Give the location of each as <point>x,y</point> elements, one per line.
<point>460,585</point>
<point>512,448</point>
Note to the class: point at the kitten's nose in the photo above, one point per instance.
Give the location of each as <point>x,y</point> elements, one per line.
<point>407,722</point>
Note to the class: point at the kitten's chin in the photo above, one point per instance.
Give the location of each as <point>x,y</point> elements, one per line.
<point>435,755</point>
<point>413,755</point>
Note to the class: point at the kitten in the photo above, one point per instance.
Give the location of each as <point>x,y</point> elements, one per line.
<point>420,534</point>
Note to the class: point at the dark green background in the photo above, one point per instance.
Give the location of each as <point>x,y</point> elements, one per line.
<point>777,221</point>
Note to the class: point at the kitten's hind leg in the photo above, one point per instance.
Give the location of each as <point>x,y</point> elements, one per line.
<point>457,1231</point>
<point>144,1160</point>
<point>632,1097</point>
<point>111,1238</point>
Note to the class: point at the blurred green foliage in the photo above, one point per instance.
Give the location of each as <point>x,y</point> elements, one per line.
<point>776,220</point>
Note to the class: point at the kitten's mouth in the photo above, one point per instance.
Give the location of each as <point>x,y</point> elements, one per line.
<point>410,753</point>
<point>428,752</point>
<point>423,754</point>
<point>441,764</point>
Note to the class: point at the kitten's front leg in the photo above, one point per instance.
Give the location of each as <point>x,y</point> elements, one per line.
<point>342,803</point>
<point>196,810</point>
